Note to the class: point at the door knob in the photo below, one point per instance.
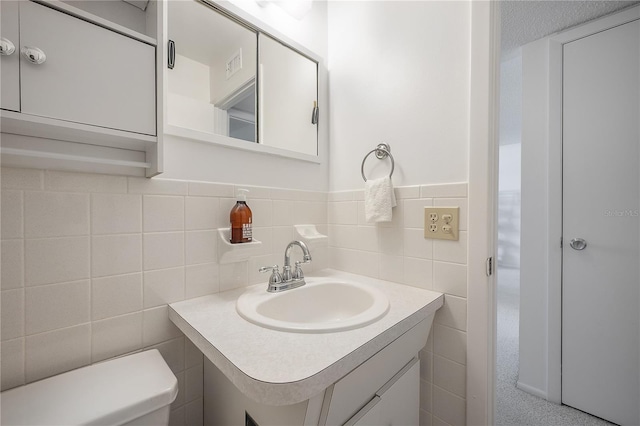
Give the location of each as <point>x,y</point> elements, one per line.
<point>578,244</point>
<point>6,47</point>
<point>33,55</point>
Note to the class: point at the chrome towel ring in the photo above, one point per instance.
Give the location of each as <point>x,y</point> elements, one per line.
<point>382,151</point>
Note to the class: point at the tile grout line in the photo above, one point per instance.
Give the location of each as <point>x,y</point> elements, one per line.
<point>90,196</point>
<point>24,287</point>
<point>142,275</point>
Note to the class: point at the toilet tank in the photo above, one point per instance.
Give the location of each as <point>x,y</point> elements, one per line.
<point>134,389</point>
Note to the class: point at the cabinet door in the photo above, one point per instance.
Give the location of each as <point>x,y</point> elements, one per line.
<point>91,75</point>
<point>396,404</point>
<point>10,63</point>
<point>288,84</point>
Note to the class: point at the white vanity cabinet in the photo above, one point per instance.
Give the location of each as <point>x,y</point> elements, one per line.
<point>76,77</point>
<point>254,375</point>
<point>384,390</point>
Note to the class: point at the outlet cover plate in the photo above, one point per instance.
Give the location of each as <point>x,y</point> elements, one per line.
<point>441,217</point>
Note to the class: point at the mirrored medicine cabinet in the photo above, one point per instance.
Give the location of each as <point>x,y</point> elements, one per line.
<point>230,83</point>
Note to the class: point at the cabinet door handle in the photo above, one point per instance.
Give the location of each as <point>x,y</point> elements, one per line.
<point>6,47</point>
<point>172,54</point>
<point>33,55</point>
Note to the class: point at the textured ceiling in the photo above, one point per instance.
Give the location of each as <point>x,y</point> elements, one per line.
<point>524,21</point>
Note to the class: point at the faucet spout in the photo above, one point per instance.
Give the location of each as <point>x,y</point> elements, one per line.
<point>288,279</point>
<point>303,247</point>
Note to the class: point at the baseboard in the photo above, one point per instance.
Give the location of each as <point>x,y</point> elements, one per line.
<point>530,389</point>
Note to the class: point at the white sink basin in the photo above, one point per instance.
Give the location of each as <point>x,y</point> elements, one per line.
<point>319,306</point>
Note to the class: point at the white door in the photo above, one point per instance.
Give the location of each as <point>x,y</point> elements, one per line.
<point>600,283</point>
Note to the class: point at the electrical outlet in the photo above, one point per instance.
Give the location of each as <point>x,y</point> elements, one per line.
<point>442,223</point>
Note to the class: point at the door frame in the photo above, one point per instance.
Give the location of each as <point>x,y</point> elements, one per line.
<point>484,105</point>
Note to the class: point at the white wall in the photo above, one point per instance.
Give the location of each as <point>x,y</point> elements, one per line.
<point>534,245</point>
<point>399,74</point>
<point>221,87</point>
<point>511,99</point>
<point>509,211</point>
<point>310,31</point>
<point>509,158</point>
<point>192,160</point>
<point>510,166</point>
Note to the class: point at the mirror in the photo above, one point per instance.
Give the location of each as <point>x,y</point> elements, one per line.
<point>288,95</point>
<point>231,84</point>
<point>212,85</point>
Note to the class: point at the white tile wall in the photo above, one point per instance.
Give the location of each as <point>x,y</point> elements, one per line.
<point>55,260</point>
<point>90,262</point>
<point>116,295</point>
<point>115,254</point>
<point>57,351</point>
<point>55,214</point>
<point>12,213</point>
<point>54,306</point>
<point>163,286</point>
<point>163,213</point>
<point>115,336</point>
<point>116,214</point>
<point>12,262</point>
<point>397,251</point>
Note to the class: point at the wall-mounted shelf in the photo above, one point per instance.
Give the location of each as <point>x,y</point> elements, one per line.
<point>42,127</point>
<point>90,17</point>
<point>310,235</point>
<point>230,253</point>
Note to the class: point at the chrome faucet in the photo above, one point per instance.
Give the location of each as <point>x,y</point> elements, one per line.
<point>288,280</point>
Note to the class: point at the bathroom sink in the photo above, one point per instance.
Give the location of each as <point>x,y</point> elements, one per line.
<point>322,305</point>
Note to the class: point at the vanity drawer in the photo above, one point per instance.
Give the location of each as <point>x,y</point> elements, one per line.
<point>397,403</point>
<point>351,393</point>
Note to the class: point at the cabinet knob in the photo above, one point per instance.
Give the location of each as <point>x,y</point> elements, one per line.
<point>6,47</point>
<point>33,55</point>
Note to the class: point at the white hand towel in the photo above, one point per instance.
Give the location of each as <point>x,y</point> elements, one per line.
<point>379,199</point>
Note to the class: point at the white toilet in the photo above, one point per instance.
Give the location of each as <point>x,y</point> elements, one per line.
<point>133,390</point>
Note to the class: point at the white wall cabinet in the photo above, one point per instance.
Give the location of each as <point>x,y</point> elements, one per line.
<point>91,75</point>
<point>95,85</point>
<point>10,63</point>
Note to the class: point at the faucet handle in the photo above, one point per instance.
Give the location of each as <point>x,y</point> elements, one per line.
<point>275,277</point>
<point>298,274</point>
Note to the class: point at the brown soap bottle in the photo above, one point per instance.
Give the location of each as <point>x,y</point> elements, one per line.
<point>241,219</point>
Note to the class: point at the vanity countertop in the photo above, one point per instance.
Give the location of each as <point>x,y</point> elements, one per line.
<point>280,368</point>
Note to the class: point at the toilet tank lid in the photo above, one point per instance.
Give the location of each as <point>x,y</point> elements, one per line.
<point>109,393</point>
